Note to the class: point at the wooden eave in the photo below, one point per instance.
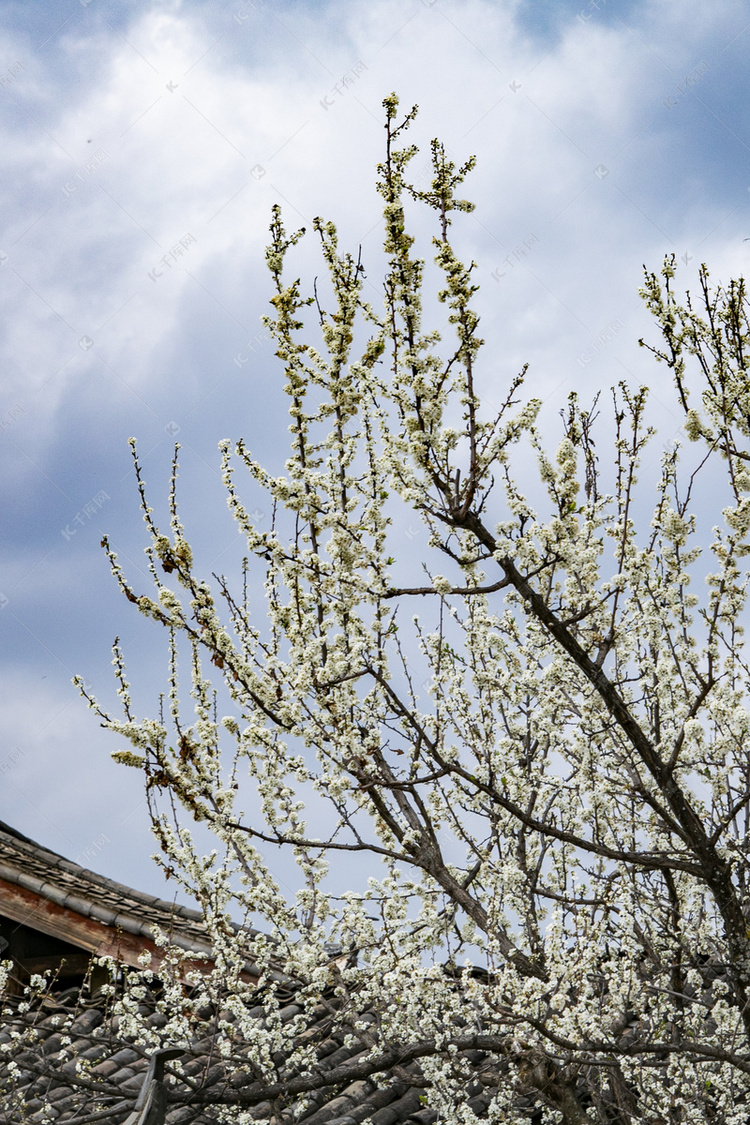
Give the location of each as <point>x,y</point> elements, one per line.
<point>34,910</point>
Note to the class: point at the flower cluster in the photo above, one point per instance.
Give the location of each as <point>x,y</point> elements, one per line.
<point>518,818</point>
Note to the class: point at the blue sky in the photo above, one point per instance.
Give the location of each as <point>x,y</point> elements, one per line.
<point>144,145</point>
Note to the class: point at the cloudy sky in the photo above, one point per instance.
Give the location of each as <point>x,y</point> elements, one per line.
<point>143,147</point>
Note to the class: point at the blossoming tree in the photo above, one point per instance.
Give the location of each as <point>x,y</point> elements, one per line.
<point>536,746</point>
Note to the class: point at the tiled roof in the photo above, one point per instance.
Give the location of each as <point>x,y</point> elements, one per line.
<point>117,1072</point>
<point>46,874</point>
<point>46,1086</point>
<point>40,1082</point>
<point>61,898</point>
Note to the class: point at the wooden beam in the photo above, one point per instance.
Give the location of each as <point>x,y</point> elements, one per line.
<point>65,964</point>
<point>39,913</point>
<point>31,909</point>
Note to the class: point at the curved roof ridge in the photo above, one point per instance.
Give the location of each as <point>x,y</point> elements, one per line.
<point>21,852</point>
